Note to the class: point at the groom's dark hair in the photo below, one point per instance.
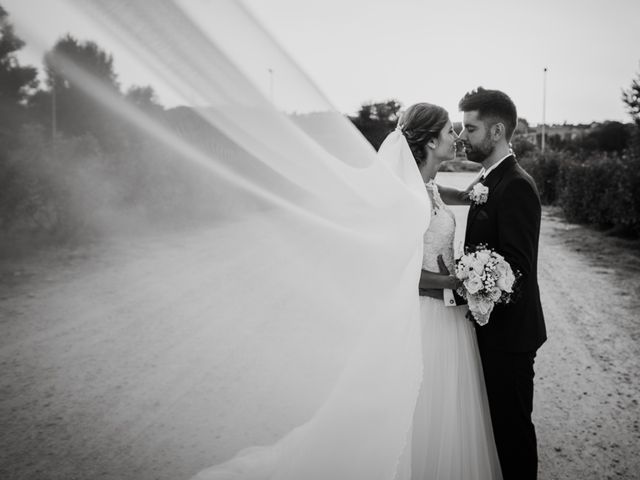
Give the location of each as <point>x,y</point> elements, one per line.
<point>491,105</point>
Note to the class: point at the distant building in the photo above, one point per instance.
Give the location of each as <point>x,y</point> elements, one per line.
<point>561,132</point>
<point>567,131</point>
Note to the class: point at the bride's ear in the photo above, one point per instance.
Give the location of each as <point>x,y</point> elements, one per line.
<point>432,144</point>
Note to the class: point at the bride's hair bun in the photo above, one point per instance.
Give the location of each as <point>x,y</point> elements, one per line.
<point>420,123</point>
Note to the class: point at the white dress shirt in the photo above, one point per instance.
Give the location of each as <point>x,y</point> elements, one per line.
<point>487,171</point>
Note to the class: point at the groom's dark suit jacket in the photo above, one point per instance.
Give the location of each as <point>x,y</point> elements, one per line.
<point>509,223</point>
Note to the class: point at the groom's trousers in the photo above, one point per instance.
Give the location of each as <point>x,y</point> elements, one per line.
<point>509,380</point>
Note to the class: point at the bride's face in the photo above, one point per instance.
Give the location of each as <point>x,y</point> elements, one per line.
<point>446,146</point>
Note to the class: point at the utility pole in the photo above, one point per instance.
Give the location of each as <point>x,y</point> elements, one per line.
<point>54,119</point>
<point>544,109</point>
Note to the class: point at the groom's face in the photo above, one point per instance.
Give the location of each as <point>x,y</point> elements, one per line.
<point>476,137</point>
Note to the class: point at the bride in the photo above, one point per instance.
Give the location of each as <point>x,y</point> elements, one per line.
<point>450,436</point>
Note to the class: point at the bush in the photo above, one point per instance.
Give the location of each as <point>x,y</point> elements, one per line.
<point>601,189</point>
<point>581,192</point>
<point>53,189</point>
<point>74,190</point>
<point>547,172</point>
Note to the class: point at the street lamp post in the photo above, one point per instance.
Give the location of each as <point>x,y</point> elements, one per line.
<point>54,119</point>
<point>271,84</point>
<point>544,109</point>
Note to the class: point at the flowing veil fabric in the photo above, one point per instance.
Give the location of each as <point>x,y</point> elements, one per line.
<point>364,427</point>
<point>299,316</point>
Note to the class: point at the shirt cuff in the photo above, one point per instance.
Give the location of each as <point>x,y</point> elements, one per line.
<point>449,299</point>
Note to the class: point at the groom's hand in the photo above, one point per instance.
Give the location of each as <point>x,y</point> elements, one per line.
<point>445,271</point>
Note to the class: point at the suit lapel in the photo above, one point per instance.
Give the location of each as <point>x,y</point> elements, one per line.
<point>496,176</point>
<point>473,210</point>
<point>491,182</point>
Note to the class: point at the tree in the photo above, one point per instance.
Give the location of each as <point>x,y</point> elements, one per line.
<point>376,120</point>
<point>631,98</point>
<point>145,99</point>
<point>16,82</point>
<point>522,146</point>
<point>77,112</point>
<point>522,126</point>
<point>88,56</point>
<point>609,137</point>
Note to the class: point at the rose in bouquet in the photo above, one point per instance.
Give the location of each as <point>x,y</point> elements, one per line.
<point>487,279</point>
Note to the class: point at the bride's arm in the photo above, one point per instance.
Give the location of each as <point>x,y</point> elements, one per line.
<point>453,196</point>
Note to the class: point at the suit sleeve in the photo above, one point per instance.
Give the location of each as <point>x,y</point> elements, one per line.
<point>519,225</point>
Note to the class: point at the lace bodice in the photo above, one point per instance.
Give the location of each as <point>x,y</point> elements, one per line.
<point>438,239</point>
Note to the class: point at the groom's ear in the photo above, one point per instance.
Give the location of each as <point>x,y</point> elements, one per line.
<point>499,130</point>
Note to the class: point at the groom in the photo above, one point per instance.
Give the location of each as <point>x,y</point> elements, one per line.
<point>508,222</point>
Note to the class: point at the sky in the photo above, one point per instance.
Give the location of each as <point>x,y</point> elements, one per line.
<point>360,51</point>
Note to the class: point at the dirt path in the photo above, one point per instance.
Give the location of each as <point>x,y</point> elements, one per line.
<point>588,384</point>
<point>79,386</point>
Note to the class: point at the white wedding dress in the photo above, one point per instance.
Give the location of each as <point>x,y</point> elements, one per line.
<point>452,434</point>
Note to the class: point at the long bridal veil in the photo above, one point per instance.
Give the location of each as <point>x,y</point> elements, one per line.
<point>287,315</point>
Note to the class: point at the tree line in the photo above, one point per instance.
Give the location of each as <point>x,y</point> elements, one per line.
<point>67,164</point>
<point>69,167</point>
<point>593,177</point>
<point>596,179</point>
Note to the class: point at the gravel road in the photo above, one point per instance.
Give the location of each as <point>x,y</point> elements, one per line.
<point>112,393</point>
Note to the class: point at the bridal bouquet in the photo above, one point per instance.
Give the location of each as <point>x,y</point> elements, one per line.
<point>487,279</point>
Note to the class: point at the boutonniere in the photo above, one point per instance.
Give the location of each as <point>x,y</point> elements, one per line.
<point>479,194</point>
